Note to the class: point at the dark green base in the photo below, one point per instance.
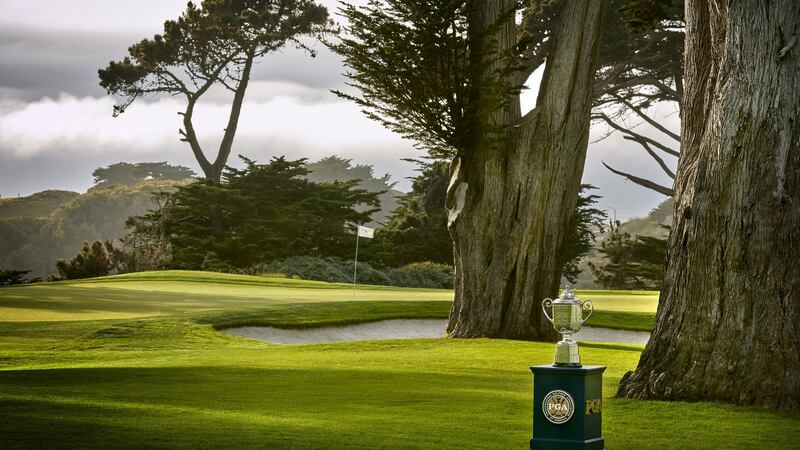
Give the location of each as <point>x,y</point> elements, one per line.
<point>562,444</point>
<point>583,431</point>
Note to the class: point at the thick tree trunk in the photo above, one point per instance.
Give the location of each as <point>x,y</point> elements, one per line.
<point>511,196</point>
<point>728,322</point>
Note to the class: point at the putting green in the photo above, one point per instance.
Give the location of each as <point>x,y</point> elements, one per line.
<point>176,292</point>
<point>167,293</point>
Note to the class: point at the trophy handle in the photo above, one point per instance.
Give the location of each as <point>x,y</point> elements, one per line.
<point>547,303</point>
<point>587,304</point>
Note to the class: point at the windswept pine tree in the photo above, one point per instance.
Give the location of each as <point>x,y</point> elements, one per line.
<point>215,44</point>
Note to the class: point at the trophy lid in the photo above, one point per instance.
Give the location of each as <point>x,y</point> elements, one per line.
<point>568,294</point>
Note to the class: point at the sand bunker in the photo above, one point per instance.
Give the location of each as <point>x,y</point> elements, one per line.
<point>403,329</point>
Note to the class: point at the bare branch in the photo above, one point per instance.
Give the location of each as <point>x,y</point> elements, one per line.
<point>669,192</point>
<point>633,136</point>
<point>639,81</point>
<point>646,140</point>
<point>647,118</point>
<point>658,159</point>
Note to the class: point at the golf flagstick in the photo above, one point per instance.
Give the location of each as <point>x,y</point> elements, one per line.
<point>360,232</point>
<point>355,267</point>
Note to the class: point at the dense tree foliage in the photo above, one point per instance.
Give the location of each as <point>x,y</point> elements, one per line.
<point>93,260</point>
<point>214,44</point>
<point>132,174</point>
<point>340,270</point>
<point>586,221</point>
<point>417,230</point>
<point>10,277</point>
<point>257,214</point>
<point>25,242</point>
<point>333,168</point>
<point>633,262</point>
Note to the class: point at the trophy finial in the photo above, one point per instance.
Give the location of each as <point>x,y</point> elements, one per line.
<point>569,292</point>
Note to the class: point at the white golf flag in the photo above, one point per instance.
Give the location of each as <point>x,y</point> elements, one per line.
<point>365,232</point>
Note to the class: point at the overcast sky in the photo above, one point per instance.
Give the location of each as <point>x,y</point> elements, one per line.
<point>56,124</point>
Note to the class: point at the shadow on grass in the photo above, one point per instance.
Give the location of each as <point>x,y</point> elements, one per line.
<point>335,407</point>
<point>254,407</point>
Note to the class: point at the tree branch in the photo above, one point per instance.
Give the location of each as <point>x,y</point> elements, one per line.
<point>633,136</point>
<point>638,138</point>
<point>669,192</point>
<point>647,118</point>
<point>236,107</point>
<point>190,136</point>
<point>658,159</point>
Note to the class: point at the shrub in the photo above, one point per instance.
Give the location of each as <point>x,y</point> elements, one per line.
<point>213,263</point>
<point>422,275</point>
<point>330,269</point>
<point>11,277</point>
<point>93,260</point>
<point>337,270</point>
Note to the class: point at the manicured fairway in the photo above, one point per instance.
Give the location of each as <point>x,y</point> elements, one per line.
<point>174,381</point>
<point>170,293</point>
<point>176,292</point>
<point>154,382</point>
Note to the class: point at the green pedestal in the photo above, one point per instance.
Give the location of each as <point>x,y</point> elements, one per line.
<point>556,392</point>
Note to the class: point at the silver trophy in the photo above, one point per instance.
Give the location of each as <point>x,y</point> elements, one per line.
<point>567,318</point>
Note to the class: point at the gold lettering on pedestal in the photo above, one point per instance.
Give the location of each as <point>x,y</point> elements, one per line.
<point>594,406</point>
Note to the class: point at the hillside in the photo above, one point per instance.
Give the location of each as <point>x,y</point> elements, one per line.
<point>53,225</point>
<point>651,225</point>
<point>39,229</point>
<point>40,204</point>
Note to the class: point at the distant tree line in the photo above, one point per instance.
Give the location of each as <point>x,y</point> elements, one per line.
<point>266,216</point>
<point>256,214</point>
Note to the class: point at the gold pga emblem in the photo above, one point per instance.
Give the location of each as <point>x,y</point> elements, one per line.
<point>558,406</point>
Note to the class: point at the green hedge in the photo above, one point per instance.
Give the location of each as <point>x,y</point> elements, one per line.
<point>418,275</point>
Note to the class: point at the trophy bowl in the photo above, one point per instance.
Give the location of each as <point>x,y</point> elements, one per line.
<point>567,318</point>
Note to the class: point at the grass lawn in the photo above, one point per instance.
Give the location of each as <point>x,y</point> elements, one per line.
<point>173,381</point>
<point>176,293</point>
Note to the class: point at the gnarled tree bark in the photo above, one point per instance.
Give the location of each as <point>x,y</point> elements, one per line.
<point>512,194</point>
<point>728,322</point>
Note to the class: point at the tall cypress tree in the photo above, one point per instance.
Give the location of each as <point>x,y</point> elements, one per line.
<point>448,75</point>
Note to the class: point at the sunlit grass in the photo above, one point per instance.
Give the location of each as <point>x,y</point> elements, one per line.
<point>176,383</point>
<point>166,293</point>
<point>172,380</point>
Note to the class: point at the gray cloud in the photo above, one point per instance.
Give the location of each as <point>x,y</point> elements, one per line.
<point>35,63</point>
<point>56,143</point>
